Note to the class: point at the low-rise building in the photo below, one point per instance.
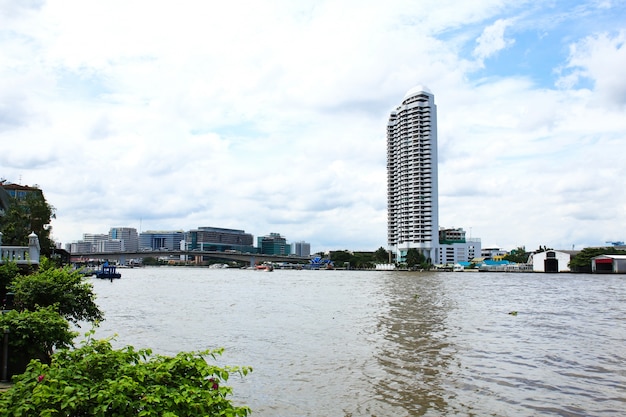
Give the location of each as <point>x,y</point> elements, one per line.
<point>551,261</point>
<point>455,248</point>
<point>608,264</point>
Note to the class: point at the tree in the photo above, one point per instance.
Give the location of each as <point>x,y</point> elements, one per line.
<point>97,380</point>
<point>26,215</point>
<point>415,258</point>
<point>518,255</point>
<point>68,290</point>
<point>381,255</point>
<point>44,303</point>
<point>8,272</point>
<point>339,257</point>
<point>362,260</point>
<point>34,335</point>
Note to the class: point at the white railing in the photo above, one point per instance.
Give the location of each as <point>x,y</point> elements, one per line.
<point>14,254</point>
<point>28,255</point>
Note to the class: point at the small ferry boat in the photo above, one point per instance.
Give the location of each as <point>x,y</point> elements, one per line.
<point>265,267</point>
<point>108,272</point>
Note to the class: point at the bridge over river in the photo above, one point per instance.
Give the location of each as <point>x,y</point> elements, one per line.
<point>193,255</point>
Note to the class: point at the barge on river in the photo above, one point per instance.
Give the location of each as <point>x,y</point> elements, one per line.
<point>108,272</point>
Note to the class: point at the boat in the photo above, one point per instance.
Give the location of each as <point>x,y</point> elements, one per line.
<point>264,267</point>
<point>108,272</point>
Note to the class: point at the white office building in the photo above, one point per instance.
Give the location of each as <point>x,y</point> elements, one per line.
<point>455,247</point>
<point>301,248</point>
<point>128,235</point>
<point>412,193</point>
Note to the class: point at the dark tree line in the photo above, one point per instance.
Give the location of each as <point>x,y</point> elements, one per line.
<point>24,216</point>
<point>359,259</point>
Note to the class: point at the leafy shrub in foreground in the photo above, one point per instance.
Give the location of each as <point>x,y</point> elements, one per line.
<point>97,380</point>
<point>34,335</point>
<point>68,290</point>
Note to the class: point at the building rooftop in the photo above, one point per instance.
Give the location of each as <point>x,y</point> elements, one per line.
<point>416,90</point>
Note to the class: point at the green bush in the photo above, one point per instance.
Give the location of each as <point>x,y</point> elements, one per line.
<point>34,335</point>
<point>97,380</point>
<point>8,271</point>
<point>68,290</point>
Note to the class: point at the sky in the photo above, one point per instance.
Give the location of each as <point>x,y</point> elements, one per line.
<point>271,116</point>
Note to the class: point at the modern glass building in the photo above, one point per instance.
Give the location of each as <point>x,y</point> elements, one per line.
<point>412,192</point>
<point>160,239</point>
<point>274,244</point>
<point>220,239</point>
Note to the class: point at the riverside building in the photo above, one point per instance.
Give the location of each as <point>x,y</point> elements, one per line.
<point>412,192</point>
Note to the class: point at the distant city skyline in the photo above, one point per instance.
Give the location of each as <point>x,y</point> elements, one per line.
<point>129,239</point>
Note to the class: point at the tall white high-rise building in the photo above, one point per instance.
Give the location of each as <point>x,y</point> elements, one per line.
<point>412,193</point>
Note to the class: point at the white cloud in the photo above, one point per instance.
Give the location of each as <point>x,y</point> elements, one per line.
<point>602,59</point>
<point>492,40</point>
<point>271,116</point>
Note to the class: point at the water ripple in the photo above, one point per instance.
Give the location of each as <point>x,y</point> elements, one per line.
<point>344,343</point>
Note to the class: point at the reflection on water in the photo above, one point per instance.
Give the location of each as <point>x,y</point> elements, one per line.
<point>415,353</point>
<point>348,343</point>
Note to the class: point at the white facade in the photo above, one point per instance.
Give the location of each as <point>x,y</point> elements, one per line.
<point>111,245</point>
<point>550,261</point>
<point>128,235</point>
<point>301,248</point>
<point>451,253</point>
<point>492,252</point>
<point>412,191</point>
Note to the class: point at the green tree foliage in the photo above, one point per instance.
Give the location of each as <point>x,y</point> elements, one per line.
<point>8,272</point>
<point>24,216</point>
<point>97,380</point>
<point>68,290</point>
<point>518,255</point>
<point>362,260</point>
<point>415,258</point>
<point>381,255</point>
<point>339,257</point>
<point>354,259</point>
<point>34,335</point>
<point>151,261</point>
<point>44,302</point>
<point>581,262</point>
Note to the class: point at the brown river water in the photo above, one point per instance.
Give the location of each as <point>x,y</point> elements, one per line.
<point>383,343</point>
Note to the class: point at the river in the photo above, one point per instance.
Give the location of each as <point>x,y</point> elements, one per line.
<point>383,343</point>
